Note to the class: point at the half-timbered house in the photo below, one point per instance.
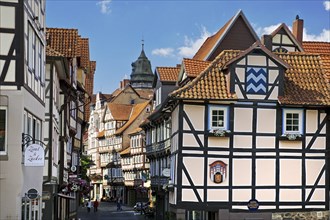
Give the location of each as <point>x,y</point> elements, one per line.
<point>249,134</point>
<point>22,105</point>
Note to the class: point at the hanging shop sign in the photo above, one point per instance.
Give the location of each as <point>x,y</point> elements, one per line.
<point>34,156</point>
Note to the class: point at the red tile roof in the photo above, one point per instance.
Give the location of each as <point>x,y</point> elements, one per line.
<point>210,83</point>
<point>322,48</point>
<point>304,80</point>
<point>168,74</point>
<point>120,112</point>
<point>64,41</point>
<point>194,67</point>
<point>136,111</point>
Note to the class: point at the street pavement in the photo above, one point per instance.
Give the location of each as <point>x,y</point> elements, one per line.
<point>108,210</point>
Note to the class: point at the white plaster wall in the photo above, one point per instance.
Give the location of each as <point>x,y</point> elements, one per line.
<point>286,40</point>
<point>242,141</point>
<point>265,142</point>
<point>319,142</point>
<point>290,172</point>
<point>243,119</point>
<point>274,94</point>
<point>218,142</point>
<point>317,196</point>
<point>272,75</point>
<point>266,122</point>
<point>322,116</point>
<point>195,168</point>
<point>266,195</point>
<point>265,172</point>
<point>290,195</point>
<point>242,195</point>
<point>290,144</point>
<point>240,72</point>
<point>256,60</point>
<point>189,140</point>
<point>217,195</point>
<point>196,116</point>
<point>7,17</point>
<point>242,172</point>
<point>175,120</point>
<point>188,195</point>
<point>313,169</point>
<point>311,121</point>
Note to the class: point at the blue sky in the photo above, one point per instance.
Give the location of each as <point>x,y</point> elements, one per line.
<point>171,29</point>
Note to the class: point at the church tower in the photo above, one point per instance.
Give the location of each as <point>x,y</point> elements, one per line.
<point>142,76</point>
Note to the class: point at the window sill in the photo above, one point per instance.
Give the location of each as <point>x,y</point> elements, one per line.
<point>219,133</point>
<point>290,137</point>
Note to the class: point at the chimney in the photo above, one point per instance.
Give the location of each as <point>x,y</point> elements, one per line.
<point>267,41</point>
<point>297,29</point>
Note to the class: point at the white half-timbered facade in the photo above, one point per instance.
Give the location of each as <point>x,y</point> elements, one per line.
<point>22,102</point>
<point>249,134</point>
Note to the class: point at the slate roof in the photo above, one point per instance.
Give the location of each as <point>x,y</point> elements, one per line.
<point>168,74</point>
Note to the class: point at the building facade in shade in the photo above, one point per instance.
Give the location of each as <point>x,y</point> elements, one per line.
<point>22,107</point>
<point>249,133</point>
<point>66,98</point>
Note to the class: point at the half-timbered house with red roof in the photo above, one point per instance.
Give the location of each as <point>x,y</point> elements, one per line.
<point>157,128</point>
<point>249,134</point>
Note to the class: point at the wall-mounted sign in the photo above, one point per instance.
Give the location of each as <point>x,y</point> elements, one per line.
<point>34,156</point>
<point>166,172</point>
<point>253,205</point>
<point>218,171</point>
<point>32,193</point>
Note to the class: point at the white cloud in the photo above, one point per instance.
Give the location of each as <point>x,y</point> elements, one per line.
<point>326,5</point>
<point>163,52</point>
<point>104,4</point>
<point>191,46</point>
<point>323,36</point>
<point>266,30</point>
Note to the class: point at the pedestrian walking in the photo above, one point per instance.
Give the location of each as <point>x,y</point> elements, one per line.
<point>89,205</point>
<point>118,204</point>
<point>96,204</point>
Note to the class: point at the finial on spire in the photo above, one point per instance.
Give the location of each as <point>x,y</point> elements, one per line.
<point>142,43</point>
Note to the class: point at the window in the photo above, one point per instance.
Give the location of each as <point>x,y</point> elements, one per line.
<point>218,117</point>
<point>3,129</point>
<point>292,121</point>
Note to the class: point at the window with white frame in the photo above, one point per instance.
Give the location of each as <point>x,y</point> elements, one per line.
<point>292,121</point>
<point>218,117</point>
<point>3,129</point>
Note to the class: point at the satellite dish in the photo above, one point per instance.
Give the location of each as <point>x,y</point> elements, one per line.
<point>73,168</point>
